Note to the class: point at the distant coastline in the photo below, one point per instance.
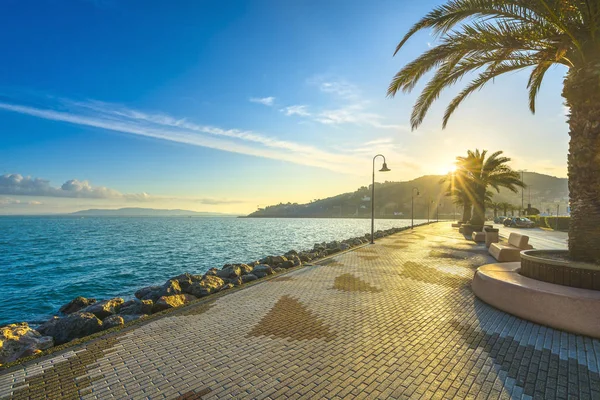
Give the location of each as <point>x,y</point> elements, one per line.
<point>144,212</point>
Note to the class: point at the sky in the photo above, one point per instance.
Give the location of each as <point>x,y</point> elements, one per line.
<point>226,106</point>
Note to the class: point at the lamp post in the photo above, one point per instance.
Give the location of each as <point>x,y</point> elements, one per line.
<point>412,207</point>
<point>384,168</point>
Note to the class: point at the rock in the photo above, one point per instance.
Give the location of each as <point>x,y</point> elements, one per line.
<point>245,268</point>
<point>286,264</point>
<point>262,268</point>
<point>133,317</point>
<point>76,304</point>
<point>175,300</point>
<point>291,253</point>
<point>259,274</point>
<point>133,307</point>
<point>105,308</point>
<point>235,281</point>
<point>148,293</point>
<point>19,340</point>
<point>170,288</point>
<point>185,280</point>
<point>273,260</point>
<point>305,256</point>
<point>112,321</point>
<point>229,271</point>
<point>212,271</point>
<point>73,326</point>
<point>249,278</point>
<point>344,246</point>
<point>278,270</point>
<point>209,284</point>
<point>227,286</point>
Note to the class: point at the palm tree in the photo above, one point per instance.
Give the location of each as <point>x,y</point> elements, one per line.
<point>483,171</point>
<point>494,37</point>
<point>505,207</point>
<point>494,206</point>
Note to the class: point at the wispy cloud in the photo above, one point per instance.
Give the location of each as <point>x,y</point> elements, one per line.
<point>300,110</point>
<point>165,127</point>
<point>335,86</point>
<point>19,185</point>
<point>267,101</point>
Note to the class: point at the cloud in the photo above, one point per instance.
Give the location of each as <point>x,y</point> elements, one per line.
<point>267,101</point>
<point>5,201</point>
<point>355,114</point>
<point>214,202</point>
<point>300,110</point>
<point>165,127</point>
<point>337,87</point>
<point>18,185</point>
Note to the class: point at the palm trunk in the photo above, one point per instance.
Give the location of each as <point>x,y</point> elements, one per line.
<point>466,212</point>
<point>478,217</point>
<point>582,94</point>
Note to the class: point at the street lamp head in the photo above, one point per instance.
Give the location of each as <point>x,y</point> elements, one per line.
<point>384,168</point>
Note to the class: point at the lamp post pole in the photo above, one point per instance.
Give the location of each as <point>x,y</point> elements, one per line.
<point>384,168</point>
<point>412,207</point>
<point>438,212</point>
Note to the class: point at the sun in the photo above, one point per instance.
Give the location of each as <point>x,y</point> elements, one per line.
<point>447,169</point>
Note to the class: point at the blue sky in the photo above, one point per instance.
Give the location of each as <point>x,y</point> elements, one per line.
<point>226,105</point>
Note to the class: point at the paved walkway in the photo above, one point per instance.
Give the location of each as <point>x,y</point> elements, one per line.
<point>539,238</point>
<point>393,320</point>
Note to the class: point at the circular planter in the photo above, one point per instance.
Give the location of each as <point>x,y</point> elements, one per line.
<point>546,265</point>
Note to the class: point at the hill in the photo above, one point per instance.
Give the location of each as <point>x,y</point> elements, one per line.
<point>144,212</point>
<point>393,200</point>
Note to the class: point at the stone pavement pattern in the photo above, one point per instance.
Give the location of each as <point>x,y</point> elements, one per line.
<point>392,320</point>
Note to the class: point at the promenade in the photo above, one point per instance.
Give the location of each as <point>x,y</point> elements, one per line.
<point>392,320</point>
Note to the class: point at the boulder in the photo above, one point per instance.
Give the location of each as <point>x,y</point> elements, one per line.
<point>305,256</point>
<point>148,293</point>
<point>76,304</point>
<point>172,301</point>
<point>279,270</point>
<point>259,274</point>
<point>262,269</point>
<point>344,246</point>
<point>286,264</point>
<point>185,280</point>
<point>19,340</point>
<point>237,281</point>
<point>229,271</point>
<point>273,260</point>
<point>249,278</point>
<point>105,308</point>
<point>245,268</point>
<point>212,271</point>
<point>73,326</point>
<point>128,318</point>
<point>112,321</point>
<point>171,287</point>
<point>209,284</point>
<point>135,306</point>
<point>227,286</point>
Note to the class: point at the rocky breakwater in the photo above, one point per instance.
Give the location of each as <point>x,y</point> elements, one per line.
<point>86,316</point>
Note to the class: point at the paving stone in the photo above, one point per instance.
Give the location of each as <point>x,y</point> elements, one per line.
<point>392,320</point>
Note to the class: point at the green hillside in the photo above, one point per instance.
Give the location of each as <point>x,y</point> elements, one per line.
<point>393,200</point>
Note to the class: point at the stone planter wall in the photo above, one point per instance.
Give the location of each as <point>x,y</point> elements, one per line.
<point>578,275</point>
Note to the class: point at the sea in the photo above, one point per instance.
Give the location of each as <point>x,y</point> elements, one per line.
<point>47,261</point>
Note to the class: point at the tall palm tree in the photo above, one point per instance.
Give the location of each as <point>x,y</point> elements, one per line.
<point>494,206</point>
<point>483,171</point>
<point>505,207</point>
<point>494,37</point>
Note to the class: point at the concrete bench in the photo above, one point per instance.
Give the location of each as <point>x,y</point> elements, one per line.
<point>510,251</point>
<point>479,236</point>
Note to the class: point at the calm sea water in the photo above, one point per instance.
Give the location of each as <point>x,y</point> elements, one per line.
<point>47,261</point>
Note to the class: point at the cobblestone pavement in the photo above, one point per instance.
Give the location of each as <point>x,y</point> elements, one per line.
<point>393,320</point>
